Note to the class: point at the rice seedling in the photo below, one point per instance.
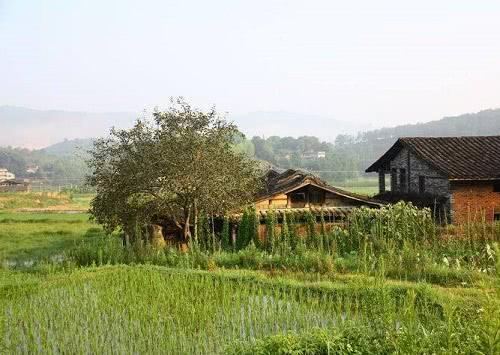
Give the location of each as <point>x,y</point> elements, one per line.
<point>156,310</point>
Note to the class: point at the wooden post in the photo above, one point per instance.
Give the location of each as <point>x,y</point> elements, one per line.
<point>381,181</point>
<point>308,193</point>
<point>408,177</point>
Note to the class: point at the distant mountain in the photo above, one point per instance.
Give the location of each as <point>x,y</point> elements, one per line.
<point>28,128</point>
<point>22,127</point>
<point>483,123</point>
<point>69,147</point>
<point>281,123</point>
<point>65,132</point>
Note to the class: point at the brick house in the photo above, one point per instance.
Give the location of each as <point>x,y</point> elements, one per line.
<point>462,173</point>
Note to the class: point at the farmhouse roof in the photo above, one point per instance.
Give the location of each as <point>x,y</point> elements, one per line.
<point>459,158</point>
<point>11,182</point>
<point>281,182</point>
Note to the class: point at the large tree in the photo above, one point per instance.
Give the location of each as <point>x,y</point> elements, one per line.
<point>180,163</point>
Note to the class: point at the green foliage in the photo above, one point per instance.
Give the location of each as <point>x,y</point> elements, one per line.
<point>226,235</point>
<point>244,231</point>
<point>393,224</point>
<point>255,227</point>
<point>204,232</point>
<point>271,239</point>
<point>15,200</point>
<point>284,238</point>
<point>354,339</point>
<point>311,230</point>
<point>52,169</point>
<point>294,237</point>
<point>248,229</point>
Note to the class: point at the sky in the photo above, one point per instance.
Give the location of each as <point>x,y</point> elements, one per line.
<point>375,63</point>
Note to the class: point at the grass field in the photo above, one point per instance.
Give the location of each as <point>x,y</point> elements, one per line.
<point>29,236</point>
<point>42,225</point>
<point>65,287</point>
<point>362,190</point>
<point>44,201</point>
<point>363,185</point>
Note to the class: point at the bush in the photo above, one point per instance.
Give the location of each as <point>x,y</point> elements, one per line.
<point>356,339</point>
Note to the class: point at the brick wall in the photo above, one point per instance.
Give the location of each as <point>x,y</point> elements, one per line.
<point>474,201</point>
<point>435,182</point>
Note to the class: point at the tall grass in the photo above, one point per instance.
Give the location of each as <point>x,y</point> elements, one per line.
<point>409,244</point>
<point>398,242</point>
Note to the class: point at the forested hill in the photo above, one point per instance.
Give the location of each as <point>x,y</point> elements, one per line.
<point>69,147</point>
<point>472,124</point>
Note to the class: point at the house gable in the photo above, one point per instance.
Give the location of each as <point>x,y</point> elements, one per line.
<point>311,192</point>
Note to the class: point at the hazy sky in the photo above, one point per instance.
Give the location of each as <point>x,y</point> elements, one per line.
<point>377,62</point>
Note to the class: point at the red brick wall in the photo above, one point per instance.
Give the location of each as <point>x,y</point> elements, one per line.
<point>474,201</point>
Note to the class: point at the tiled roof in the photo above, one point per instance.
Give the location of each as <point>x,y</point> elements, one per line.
<point>459,158</point>
<point>276,182</point>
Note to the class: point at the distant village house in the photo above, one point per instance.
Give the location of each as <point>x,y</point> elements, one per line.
<point>8,182</point>
<point>6,175</point>
<point>32,169</point>
<point>460,174</point>
<point>314,155</point>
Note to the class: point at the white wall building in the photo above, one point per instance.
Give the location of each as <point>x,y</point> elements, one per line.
<point>6,175</point>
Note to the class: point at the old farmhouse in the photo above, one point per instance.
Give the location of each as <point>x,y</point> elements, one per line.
<point>301,192</point>
<point>463,173</point>
<point>297,189</point>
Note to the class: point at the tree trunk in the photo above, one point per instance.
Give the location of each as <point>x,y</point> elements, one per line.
<point>195,227</point>
<point>213,234</point>
<point>187,230</point>
<point>126,239</point>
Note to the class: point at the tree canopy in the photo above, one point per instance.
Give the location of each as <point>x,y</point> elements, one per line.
<point>171,168</point>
